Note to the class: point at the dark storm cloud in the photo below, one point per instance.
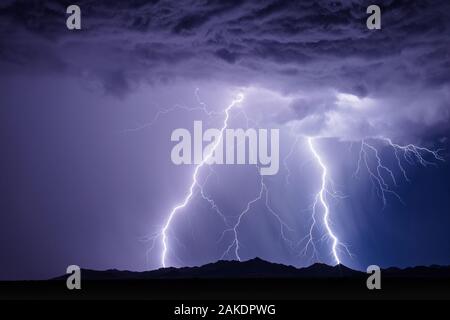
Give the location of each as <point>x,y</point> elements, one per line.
<point>295,33</point>
<point>288,46</point>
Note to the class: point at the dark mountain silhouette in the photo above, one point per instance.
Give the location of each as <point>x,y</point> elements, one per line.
<point>233,280</point>
<point>258,268</point>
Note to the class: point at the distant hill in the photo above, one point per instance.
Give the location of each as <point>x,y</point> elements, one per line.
<point>258,268</point>
<point>234,280</point>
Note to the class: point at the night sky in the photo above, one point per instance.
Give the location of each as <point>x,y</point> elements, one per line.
<point>86,118</point>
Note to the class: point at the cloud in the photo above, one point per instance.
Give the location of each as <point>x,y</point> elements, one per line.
<point>293,47</point>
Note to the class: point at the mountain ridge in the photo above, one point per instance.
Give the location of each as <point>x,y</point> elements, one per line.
<point>258,268</point>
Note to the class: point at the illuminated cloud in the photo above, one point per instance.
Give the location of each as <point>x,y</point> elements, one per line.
<point>293,47</point>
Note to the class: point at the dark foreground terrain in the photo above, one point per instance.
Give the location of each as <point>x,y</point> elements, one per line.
<point>253,279</point>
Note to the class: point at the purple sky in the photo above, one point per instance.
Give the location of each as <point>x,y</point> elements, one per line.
<point>81,186</point>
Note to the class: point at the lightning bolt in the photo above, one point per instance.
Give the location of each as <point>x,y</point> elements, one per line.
<point>194,183</point>
<point>211,201</point>
<point>413,153</point>
<point>321,198</point>
<point>263,193</point>
<point>200,187</point>
<point>382,177</point>
<point>376,176</point>
<point>163,111</point>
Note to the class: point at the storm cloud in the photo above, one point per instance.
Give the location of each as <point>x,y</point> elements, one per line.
<point>293,47</point>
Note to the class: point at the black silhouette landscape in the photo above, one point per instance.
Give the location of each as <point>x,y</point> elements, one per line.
<point>255,279</point>
<point>254,268</point>
<point>258,268</point>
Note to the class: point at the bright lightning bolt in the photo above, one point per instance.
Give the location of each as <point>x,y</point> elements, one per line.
<point>211,201</point>
<point>321,197</point>
<point>263,190</point>
<point>382,177</point>
<point>263,193</point>
<point>235,243</point>
<point>194,183</point>
<point>376,176</point>
<point>410,154</point>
